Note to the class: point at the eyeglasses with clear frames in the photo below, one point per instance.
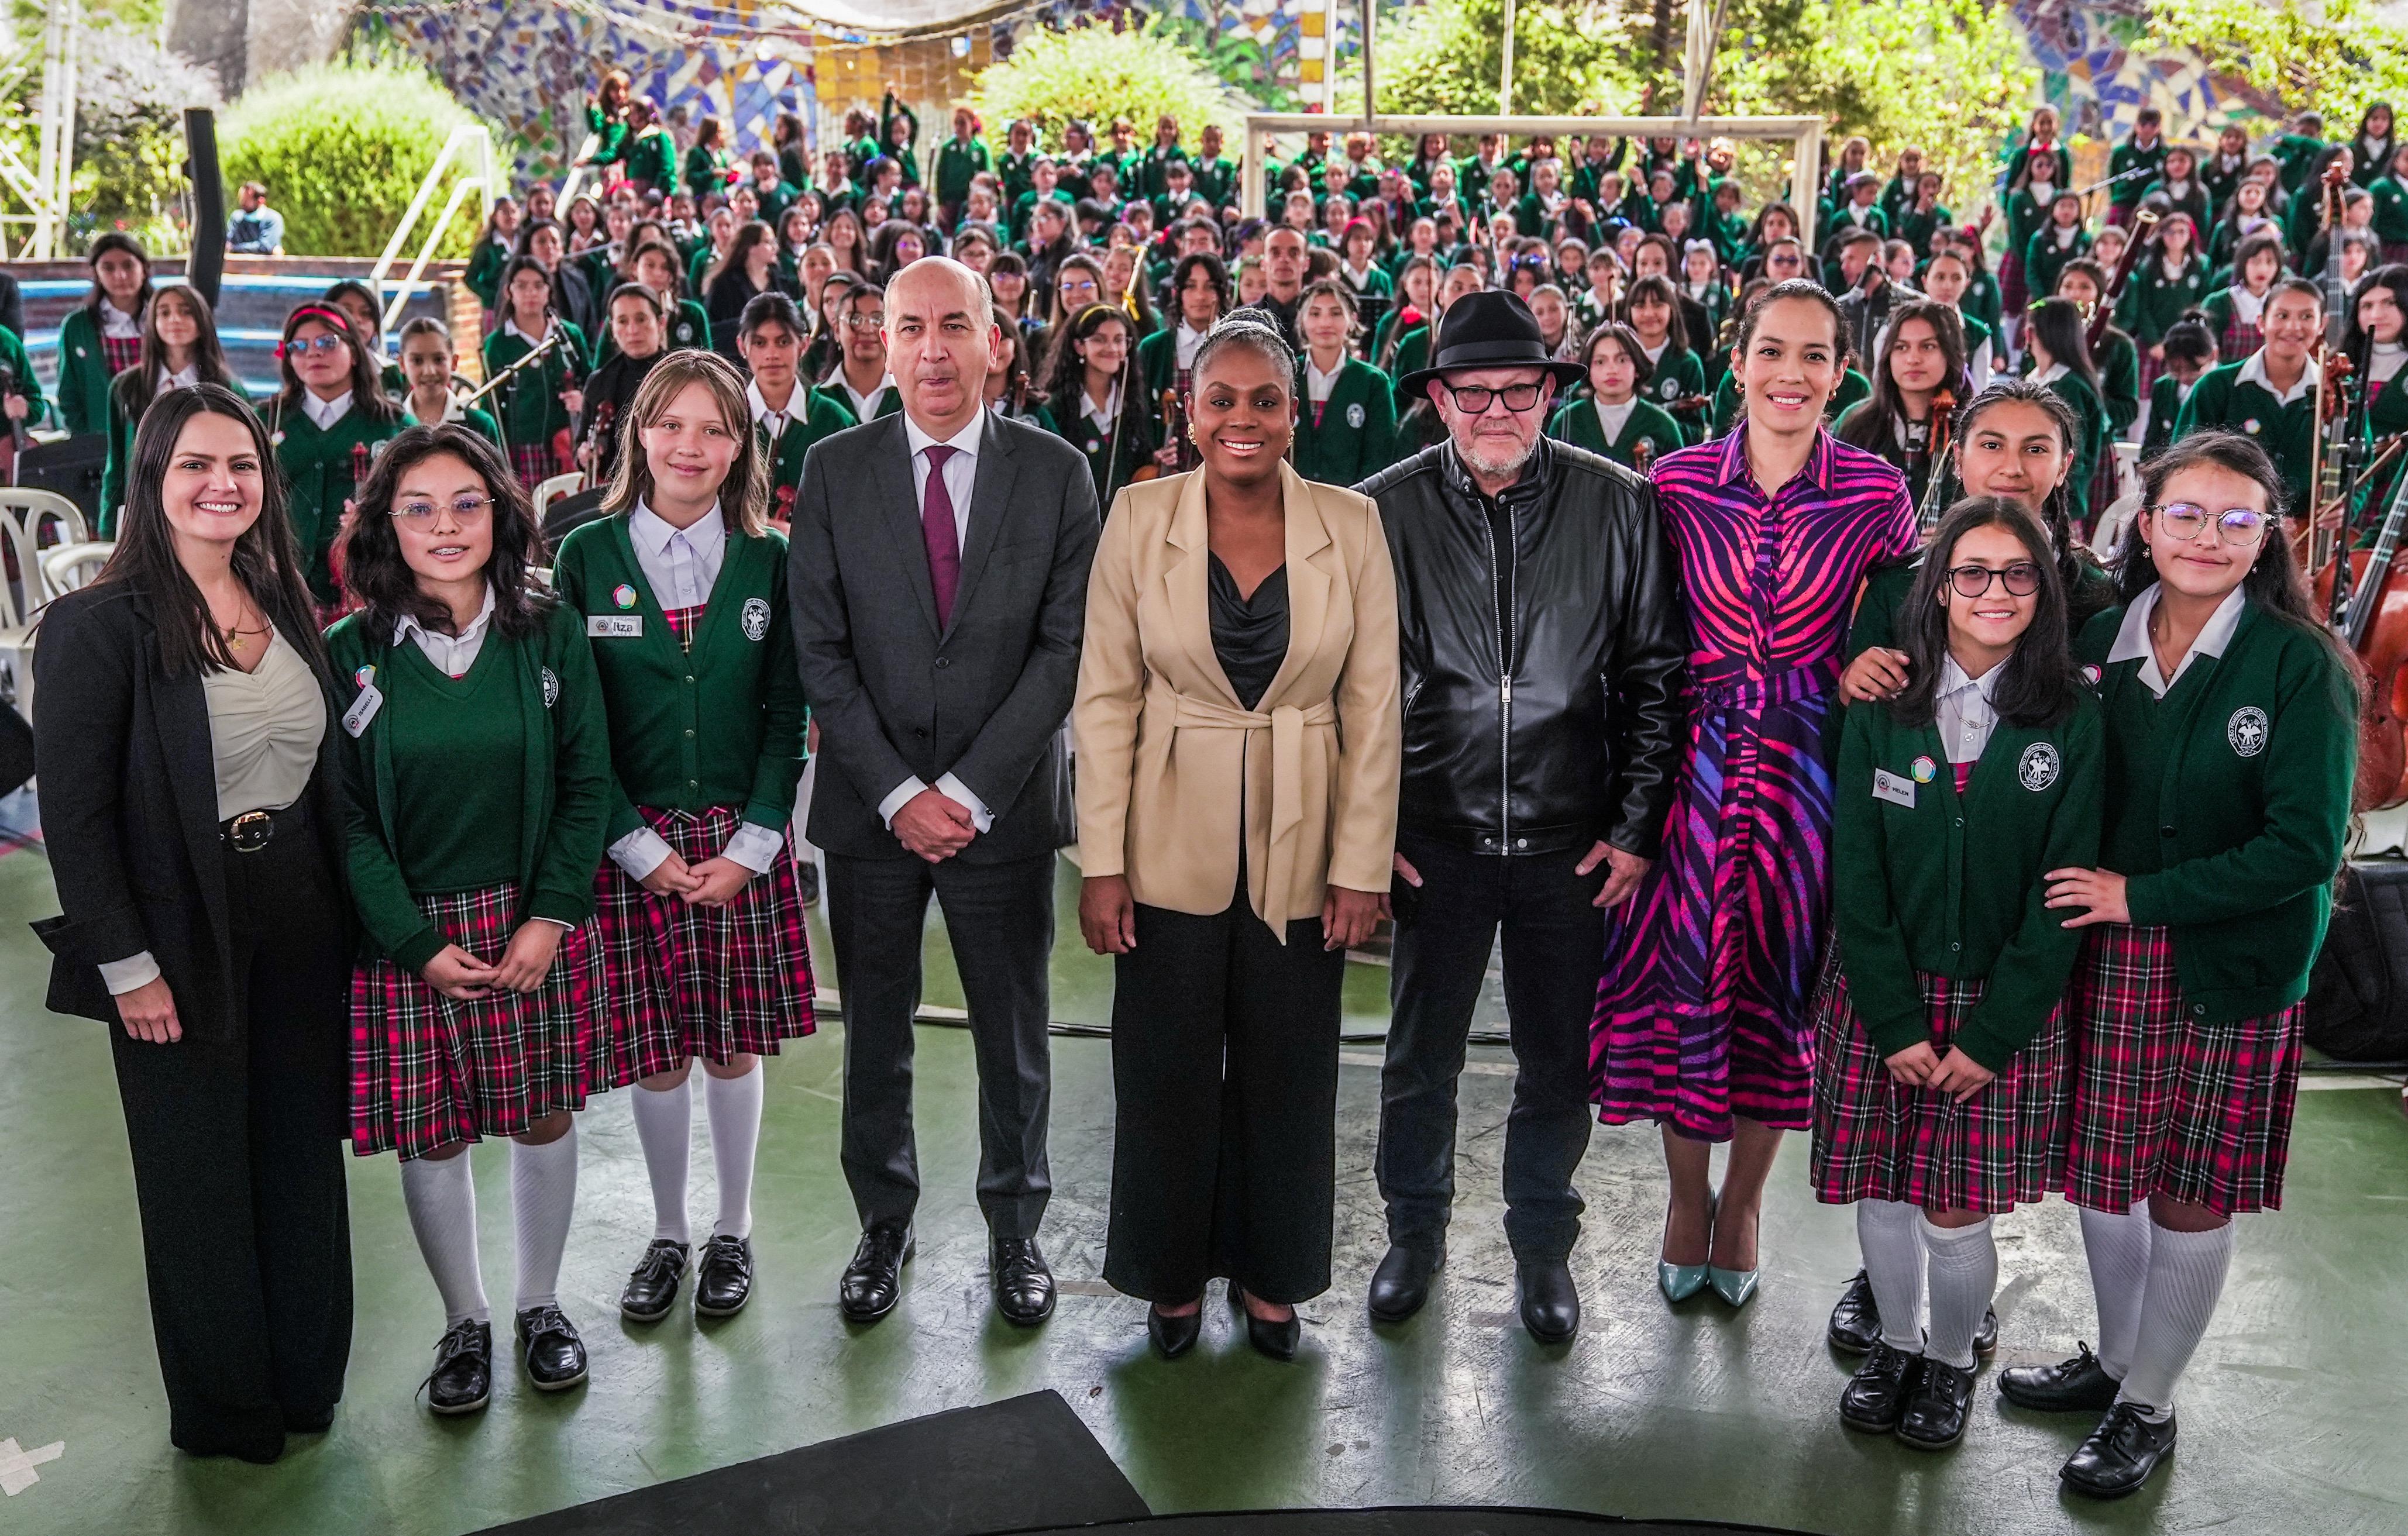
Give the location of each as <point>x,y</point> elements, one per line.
<point>418,512</point>
<point>2240,526</point>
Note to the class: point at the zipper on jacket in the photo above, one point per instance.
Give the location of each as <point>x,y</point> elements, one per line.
<point>1504,679</point>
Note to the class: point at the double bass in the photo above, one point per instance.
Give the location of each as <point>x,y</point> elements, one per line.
<point>2371,620</point>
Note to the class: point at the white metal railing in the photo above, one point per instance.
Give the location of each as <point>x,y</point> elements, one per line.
<point>472,146</point>
<point>575,172</point>
<point>43,187</point>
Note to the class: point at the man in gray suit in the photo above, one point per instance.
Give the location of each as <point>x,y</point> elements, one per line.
<point>939,589</point>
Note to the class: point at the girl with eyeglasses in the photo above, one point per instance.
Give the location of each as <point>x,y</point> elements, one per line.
<point>480,771</point>
<point>2231,745</point>
<point>1091,390</point>
<point>1943,1064</point>
<point>681,590</point>
<point>327,423</point>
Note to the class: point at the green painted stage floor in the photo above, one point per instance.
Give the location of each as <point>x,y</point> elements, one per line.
<point>2294,1418</point>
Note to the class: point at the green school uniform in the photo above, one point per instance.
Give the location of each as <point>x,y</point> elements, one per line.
<point>479,422</point>
<point>705,172</point>
<point>1026,204</point>
<point>719,725</point>
<point>23,384</point>
<point>2044,258</point>
<point>484,274</point>
<point>1955,886</point>
<point>2222,398</point>
<point>1577,423</point>
<point>1918,226</point>
<point>1357,436</point>
<point>958,162</point>
<point>824,413</point>
<point>2296,153</point>
<point>1015,174</point>
<point>1216,180</point>
<point>689,326</point>
<point>1679,376</point>
<point>2091,412</point>
<point>2026,214</point>
<point>2153,301</point>
<point>651,159</point>
<point>322,470</point>
<point>1158,360</point>
<point>2166,397</point>
<point>2128,156</point>
<point>504,772</point>
<point>2194,201</point>
<point>610,133</point>
<point>530,405</point>
<point>2120,381</point>
<point>1113,458</point>
<point>2390,197</point>
<point>2227,804</point>
<point>84,374</point>
<point>2387,417</point>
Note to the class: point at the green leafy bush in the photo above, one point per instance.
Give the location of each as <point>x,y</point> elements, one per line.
<point>1097,74</point>
<point>342,149</point>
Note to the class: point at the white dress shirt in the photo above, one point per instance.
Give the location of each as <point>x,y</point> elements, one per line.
<point>1610,420</point>
<point>775,420</point>
<point>2385,364</point>
<point>453,655</point>
<point>323,414</point>
<point>863,405</point>
<point>961,479</point>
<point>681,566</point>
<point>1964,713</point>
<point>2050,374</point>
<point>1184,342</point>
<point>1106,413</point>
<point>2254,372</point>
<point>2246,306</point>
<point>117,325</point>
<point>186,376</point>
<point>2132,637</point>
<point>1317,384</point>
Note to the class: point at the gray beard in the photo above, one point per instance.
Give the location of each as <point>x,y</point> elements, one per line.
<point>1494,469</point>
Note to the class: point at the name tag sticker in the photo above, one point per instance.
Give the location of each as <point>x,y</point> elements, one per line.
<point>363,710</point>
<point>614,626</point>
<point>1896,788</point>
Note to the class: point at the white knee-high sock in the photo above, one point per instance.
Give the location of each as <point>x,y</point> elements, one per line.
<point>441,1198</point>
<point>664,1124</point>
<point>543,1196</point>
<point>733,1104</point>
<point>2187,1272</point>
<point>1964,1272</point>
<point>2117,1246</point>
<point>1890,1232</point>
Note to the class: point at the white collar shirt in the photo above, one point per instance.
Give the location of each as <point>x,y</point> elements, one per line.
<point>2133,639</point>
<point>1963,710</point>
<point>453,655</point>
<point>680,565</point>
<point>323,414</point>
<point>2254,372</point>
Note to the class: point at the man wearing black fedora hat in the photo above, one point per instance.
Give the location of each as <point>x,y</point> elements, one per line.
<point>1543,646</point>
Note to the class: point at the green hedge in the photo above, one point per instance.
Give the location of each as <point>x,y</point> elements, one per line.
<point>342,149</point>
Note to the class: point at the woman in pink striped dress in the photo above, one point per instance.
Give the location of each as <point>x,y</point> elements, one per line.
<point>1701,1019</point>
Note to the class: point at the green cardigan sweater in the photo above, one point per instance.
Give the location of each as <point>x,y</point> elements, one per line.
<point>1357,434</point>
<point>720,725</point>
<point>2261,757</point>
<point>825,414</point>
<point>84,374</point>
<point>322,471</point>
<point>2288,432</point>
<point>1956,887</point>
<point>1576,424</point>
<point>567,782</point>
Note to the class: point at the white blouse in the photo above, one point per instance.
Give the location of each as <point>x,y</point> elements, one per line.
<point>265,728</point>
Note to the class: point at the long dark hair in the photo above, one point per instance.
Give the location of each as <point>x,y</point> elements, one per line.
<point>367,370</point>
<point>2057,510</point>
<point>135,389</point>
<point>2036,686</point>
<point>370,551</point>
<point>114,240</point>
<point>2057,325</point>
<point>266,557</point>
<point>2391,275</point>
<point>1874,425</point>
<point>1066,373</point>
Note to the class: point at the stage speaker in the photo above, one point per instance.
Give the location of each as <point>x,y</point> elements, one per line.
<point>206,266</point>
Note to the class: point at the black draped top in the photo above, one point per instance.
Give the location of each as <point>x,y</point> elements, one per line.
<point>1249,634</point>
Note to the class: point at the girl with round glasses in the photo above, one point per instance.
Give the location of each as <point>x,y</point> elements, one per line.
<point>479,764</point>
<point>1942,1064</point>
<point>327,423</point>
<point>2231,737</point>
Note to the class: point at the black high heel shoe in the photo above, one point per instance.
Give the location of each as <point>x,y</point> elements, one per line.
<point>1276,1340</point>
<point>1174,1336</point>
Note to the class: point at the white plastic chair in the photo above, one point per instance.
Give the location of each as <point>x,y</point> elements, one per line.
<point>70,566</point>
<point>547,491</point>
<point>25,516</point>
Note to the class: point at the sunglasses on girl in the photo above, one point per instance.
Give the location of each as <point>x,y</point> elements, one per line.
<point>2022,579</point>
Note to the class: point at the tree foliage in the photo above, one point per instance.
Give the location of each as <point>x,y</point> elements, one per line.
<point>1095,74</point>
<point>342,149</point>
<point>1447,55</point>
<point>2334,59</point>
<point>129,140</point>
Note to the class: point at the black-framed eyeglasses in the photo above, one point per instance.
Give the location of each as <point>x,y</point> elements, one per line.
<point>1474,399</point>
<point>2022,579</point>
<point>2185,521</point>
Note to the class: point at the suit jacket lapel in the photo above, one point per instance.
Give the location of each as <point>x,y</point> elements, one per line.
<point>990,503</point>
<point>1186,578</point>
<point>180,710</point>
<point>890,462</point>
<point>1308,580</point>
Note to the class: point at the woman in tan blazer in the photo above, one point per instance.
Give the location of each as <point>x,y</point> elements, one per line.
<point>1238,731</point>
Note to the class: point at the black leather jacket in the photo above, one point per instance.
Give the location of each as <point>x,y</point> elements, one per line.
<point>1577,738</point>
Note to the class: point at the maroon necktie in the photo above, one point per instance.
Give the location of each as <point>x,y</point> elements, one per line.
<point>937,527</point>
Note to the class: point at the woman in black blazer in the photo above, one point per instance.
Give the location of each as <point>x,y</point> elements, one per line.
<point>185,746</point>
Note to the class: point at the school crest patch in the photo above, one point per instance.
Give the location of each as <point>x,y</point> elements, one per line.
<point>1354,416</point>
<point>2038,768</point>
<point>1923,769</point>
<point>550,687</point>
<point>756,618</point>
<point>2246,730</point>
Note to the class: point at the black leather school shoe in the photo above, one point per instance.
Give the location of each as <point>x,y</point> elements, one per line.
<point>1549,1300</point>
<point>549,1347</point>
<point>1400,1285</point>
<point>723,1282</point>
<point>2120,1454</point>
<point>462,1381</point>
<point>1875,1398</point>
<point>873,1282</point>
<point>1936,1408</point>
<point>2080,1385</point>
<point>1023,1283</point>
<point>652,1285</point>
<point>1855,1322</point>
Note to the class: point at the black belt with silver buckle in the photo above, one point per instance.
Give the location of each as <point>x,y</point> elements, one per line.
<point>255,829</point>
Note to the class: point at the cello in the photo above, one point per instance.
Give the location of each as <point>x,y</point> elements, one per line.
<point>2373,624</point>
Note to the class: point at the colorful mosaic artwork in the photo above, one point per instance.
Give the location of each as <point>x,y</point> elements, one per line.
<point>2100,69</point>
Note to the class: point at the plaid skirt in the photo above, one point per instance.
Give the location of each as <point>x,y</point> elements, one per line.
<point>2238,341</point>
<point>428,1070</point>
<point>2013,294</point>
<point>536,463</point>
<point>687,981</point>
<point>2200,1113</point>
<point>1878,1140</point>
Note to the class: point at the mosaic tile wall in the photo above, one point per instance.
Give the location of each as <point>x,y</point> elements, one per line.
<point>2100,69</point>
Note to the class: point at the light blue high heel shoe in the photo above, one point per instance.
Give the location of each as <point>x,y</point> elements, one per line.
<point>1736,1288</point>
<point>1680,1282</point>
